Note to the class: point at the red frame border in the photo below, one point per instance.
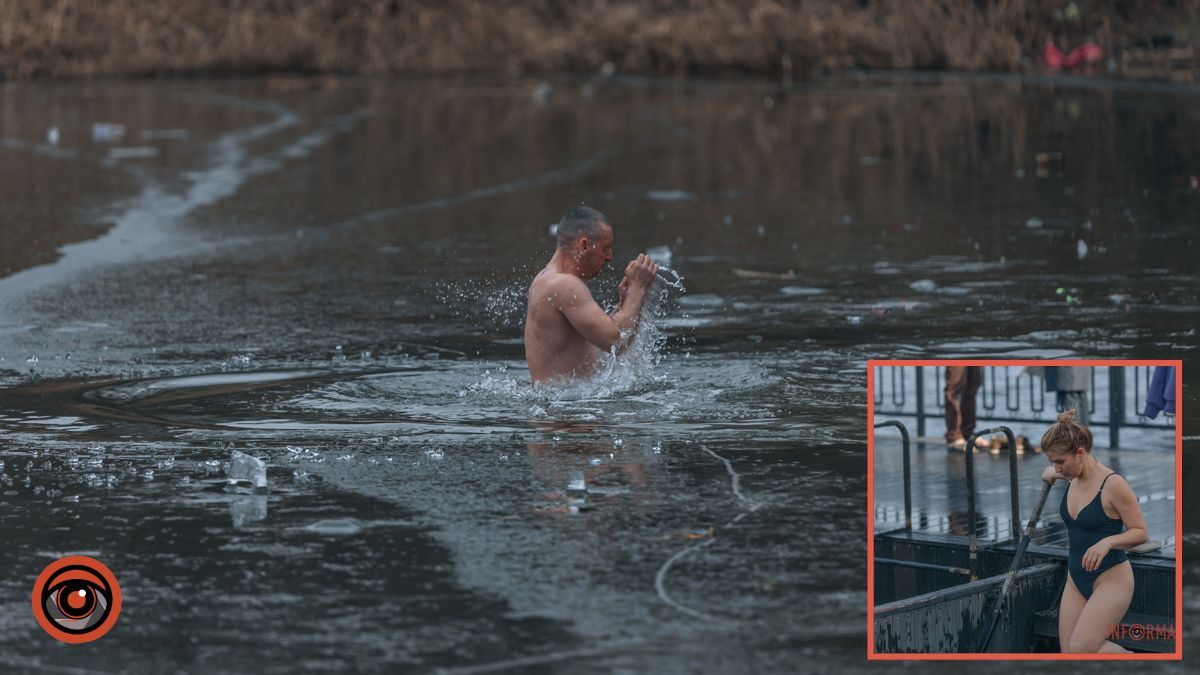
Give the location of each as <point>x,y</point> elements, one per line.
<point>872,655</point>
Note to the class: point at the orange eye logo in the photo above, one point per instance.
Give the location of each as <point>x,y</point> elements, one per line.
<point>76,599</point>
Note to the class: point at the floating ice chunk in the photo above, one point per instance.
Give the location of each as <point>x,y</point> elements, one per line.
<point>702,300</point>
<point>164,135</point>
<point>52,135</point>
<point>1034,223</point>
<point>247,472</point>
<point>246,510</point>
<point>337,526</point>
<point>553,229</point>
<point>1081,249</point>
<point>107,132</point>
<point>671,195</point>
<point>801,290</point>
<point>924,285</point>
<point>139,152</point>
<point>660,255</point>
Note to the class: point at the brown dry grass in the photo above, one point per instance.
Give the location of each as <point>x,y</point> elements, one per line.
<point>72,38</point>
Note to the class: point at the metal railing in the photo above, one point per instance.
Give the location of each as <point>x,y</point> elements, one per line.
<point>1009,394</point>
<point>907,469</point>
<point>972,525</point>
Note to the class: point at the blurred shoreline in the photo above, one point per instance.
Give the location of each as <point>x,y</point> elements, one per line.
<point>72,39</point>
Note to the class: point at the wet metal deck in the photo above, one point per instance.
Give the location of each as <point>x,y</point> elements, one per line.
<point>939,491</point>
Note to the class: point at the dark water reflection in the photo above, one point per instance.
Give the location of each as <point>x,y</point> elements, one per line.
<point>369,242</point>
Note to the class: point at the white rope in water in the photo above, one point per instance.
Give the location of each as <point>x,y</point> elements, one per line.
<point>540,659</point>
<point>737,480</point>
<point>660,583</point>
<point>660,578</point>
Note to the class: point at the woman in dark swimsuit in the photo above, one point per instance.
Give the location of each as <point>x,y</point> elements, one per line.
<point>1103,519</point>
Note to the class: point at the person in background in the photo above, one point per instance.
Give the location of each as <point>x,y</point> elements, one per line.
<point>962,383</point>
<point>1071,385</point>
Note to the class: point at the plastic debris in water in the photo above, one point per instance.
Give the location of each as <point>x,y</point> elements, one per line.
<point>246,473</point>
<point>577,492</point>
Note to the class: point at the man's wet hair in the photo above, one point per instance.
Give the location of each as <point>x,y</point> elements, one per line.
<point>581,221</point>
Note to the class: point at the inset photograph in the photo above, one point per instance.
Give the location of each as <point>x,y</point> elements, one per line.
<point>1024,509</point>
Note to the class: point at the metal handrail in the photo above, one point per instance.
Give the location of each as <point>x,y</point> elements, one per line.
<point>1012,471</point>
<point>907,469</point>
<point>1115,413</point>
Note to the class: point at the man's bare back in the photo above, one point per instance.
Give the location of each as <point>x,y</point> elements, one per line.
<point>552,345</point>
<point>565,329</point>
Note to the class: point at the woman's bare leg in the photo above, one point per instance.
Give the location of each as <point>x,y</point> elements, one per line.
<point>1111,594</point>
<point>1069,607</point>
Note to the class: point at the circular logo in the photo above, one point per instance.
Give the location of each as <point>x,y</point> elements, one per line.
<point>76,599</point>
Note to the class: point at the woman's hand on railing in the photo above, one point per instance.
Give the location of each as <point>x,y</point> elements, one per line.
<point>1050,475</point>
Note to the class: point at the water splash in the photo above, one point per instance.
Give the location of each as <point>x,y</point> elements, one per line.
<point>637,367</point>
<point>634,370</point>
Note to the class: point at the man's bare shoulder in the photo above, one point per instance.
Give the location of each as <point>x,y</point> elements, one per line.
<point>557,285</point>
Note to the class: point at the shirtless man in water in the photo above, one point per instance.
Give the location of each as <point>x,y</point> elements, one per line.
<point>564,327</point>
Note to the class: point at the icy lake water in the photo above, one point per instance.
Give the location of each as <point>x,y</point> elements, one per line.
<point>330,276</point>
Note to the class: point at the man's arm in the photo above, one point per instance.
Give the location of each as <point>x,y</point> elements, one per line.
<point>575,302</point>
<point>572,297</point>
